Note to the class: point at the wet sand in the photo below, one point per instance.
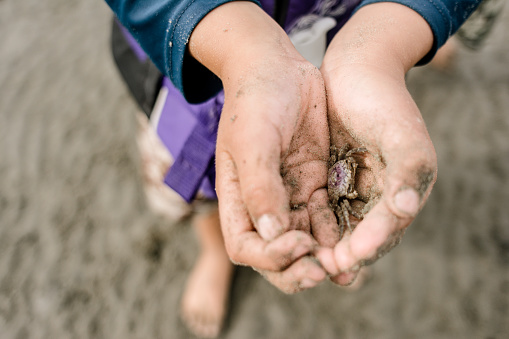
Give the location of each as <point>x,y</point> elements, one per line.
<point>81,256</point>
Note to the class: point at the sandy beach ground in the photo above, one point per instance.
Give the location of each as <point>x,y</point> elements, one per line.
<point>81,256</point>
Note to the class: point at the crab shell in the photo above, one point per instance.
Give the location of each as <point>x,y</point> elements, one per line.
<point>339,178</point>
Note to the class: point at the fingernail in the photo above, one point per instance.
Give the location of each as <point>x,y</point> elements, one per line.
<point>308,283</point>
<point>407,201</point>
<point>268,227</point>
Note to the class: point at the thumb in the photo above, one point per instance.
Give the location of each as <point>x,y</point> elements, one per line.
<point>406,202</point>
<point>406,188</point>
<point>409,181</point>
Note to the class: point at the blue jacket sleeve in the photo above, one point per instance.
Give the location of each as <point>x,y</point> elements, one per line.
<point>163,28</point>
<point>443,16</point>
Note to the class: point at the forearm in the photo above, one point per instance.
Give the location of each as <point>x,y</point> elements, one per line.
<point>443,16</point>
<point>386,36</point>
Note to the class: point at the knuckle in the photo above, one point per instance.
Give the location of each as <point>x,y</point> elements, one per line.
<point>234,258</point>
<point>235,253</point>
<point>426,177</point>
<point>279,262</point>
<point>285,286</point>
<point>255,193</point>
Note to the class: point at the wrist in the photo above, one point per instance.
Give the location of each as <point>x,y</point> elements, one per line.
<point>236,35</point>
<point>387,36</point>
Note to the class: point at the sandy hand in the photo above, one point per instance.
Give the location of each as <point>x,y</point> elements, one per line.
<point>369,106</point>
<point>271,168</point>
<point>272,147</point>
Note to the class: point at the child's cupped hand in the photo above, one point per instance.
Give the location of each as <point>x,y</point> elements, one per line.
<point>271,160</point>
<point>272,147</point>
<point>369,106</point>
<point>394,177</point>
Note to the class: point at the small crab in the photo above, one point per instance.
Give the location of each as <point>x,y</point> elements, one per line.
<point>341,184</point>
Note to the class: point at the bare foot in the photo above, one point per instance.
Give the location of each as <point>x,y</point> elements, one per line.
<point>206,295</point>
<point>205,299</point>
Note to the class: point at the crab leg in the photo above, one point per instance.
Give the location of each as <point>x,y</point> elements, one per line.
<point>355,150</point>
<point>334,155</point>
<point>352,211</point>
<point>342,222</point>
<point>344,210</point>
<point>352,194</point>
<point>343,149</point>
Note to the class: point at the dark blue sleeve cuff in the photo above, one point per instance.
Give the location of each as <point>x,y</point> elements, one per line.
<point>162,28</point>
<point>443,16</point>
<point>194,80</point>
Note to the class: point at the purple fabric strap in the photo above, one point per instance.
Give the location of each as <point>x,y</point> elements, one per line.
<point>194,165</point>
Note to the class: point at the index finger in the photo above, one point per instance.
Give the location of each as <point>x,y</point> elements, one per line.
<point>243,244</point>
<point>253,144</point>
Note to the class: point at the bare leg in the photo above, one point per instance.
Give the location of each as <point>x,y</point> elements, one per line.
<point>206,294</point>
<point>205,298</point>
